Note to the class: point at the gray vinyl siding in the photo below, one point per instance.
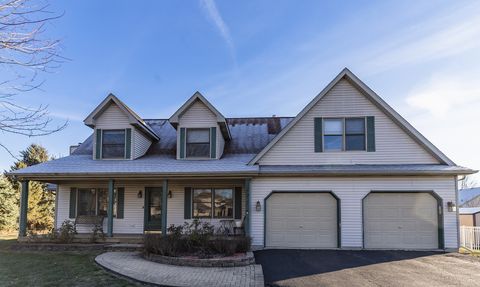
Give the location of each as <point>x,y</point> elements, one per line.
<point>199,116</point>
<point>133,220</point>
<point>393,145</point>
<point>140,144</point>
<point>351,191</point>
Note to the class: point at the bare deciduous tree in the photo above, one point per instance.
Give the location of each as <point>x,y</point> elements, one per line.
<point>25,52</point>
<point>468,182</point>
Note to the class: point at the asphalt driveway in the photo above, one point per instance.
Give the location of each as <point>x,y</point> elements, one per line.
<point>367,268</point>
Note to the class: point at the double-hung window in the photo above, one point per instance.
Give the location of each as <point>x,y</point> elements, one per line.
<point>216,203</point>
<point>113,144</point>
<point>198,143</point>
<point>94,201</point>
<point>344,134</point>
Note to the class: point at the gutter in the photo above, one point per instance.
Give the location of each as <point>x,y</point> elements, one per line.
<point>333,173</point>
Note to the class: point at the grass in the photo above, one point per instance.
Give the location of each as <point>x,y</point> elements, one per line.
<point>21,268</point>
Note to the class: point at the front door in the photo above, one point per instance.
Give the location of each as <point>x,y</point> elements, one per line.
<point>153,208</point>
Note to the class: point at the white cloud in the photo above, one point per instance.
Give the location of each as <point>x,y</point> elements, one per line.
<point>452,102</point>
<point>445,94</point>
<point>213,14</point>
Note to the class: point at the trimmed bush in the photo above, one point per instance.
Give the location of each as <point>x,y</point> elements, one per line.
<point>195,238</point>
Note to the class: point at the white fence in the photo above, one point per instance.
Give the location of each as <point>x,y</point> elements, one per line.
<point>470,237</point>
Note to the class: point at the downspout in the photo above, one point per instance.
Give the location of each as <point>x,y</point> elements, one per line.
<point>457,207</point>
<point>55,218</point>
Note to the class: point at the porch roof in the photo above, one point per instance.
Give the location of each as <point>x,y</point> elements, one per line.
<point>78,165</point>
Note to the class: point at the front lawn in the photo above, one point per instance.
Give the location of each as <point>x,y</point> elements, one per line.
<point>21,268</point>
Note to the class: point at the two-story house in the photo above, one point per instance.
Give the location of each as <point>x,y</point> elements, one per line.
<point>346,172</point>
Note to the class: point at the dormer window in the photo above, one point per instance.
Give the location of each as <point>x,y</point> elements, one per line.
<point>113,144</point>
<point>198,143</point>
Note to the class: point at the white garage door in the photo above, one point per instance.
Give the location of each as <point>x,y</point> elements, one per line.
<point>400,221</point>
<point>301,220</point>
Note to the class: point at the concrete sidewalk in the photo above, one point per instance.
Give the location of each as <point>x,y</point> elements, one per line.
<point>134,266</point>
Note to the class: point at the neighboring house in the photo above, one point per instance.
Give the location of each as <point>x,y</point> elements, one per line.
<point>469,216</point>
<point>346,172</point>
<point>469,197</point>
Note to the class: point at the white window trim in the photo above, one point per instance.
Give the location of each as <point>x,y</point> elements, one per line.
<point>209,144</point>
<point>344,135</point>
<point>212,199</point>
<point>124,145</point>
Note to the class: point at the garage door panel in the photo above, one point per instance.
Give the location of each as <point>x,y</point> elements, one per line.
<point>414,226</point>
<point>299,220</point>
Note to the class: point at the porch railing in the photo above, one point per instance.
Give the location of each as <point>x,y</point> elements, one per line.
<point>470,237</point>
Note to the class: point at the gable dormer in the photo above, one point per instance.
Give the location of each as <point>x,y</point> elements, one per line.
<point>348,123</point>
<point>119,133</point>
<point>201,129</point>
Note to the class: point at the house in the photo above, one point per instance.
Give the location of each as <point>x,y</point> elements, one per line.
<point>469,197</point>
<point>469,216</point>
<point>347,172</point>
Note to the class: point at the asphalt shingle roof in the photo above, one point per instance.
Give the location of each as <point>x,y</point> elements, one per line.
<point>467,194</point>
<point>249,137</point>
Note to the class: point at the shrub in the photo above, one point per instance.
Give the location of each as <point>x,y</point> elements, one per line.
<point>66,232</point>
<point>224,245</point>
<point>194,238</point>
<point>244,243</point>
<point>197,235</point>
<point>230,245</point>
<point>169,245</point>
<point>97,232</point>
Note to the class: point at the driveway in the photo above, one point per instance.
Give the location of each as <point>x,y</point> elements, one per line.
<point>367,268</point>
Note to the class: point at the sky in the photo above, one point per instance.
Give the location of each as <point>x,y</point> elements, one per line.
<point>260,58</point>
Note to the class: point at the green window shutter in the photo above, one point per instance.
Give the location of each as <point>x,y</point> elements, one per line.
<point>370,133</point>
<point>98,148</point>
<point>187,205</point>
<point>73,203</point>
<point>213,142</point>
<point>182,142</point>
<point>120,202</point>
<point>128,143</point>
<point>318,123</point>
<point>238,202</point>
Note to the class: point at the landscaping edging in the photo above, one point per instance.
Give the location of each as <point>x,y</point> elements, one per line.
<point>246,260</point>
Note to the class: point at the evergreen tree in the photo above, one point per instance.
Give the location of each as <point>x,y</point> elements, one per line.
<point>41,202</point>
<point>8,205</point>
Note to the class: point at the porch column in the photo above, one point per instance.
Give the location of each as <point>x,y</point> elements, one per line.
<point>23,209</point>
<point>247,207</point>
<point>111,185</point>
<point>164,206</point>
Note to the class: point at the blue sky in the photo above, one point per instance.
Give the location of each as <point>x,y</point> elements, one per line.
<point>258,58</point>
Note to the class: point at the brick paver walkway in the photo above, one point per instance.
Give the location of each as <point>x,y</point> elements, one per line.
<point>134,266</point>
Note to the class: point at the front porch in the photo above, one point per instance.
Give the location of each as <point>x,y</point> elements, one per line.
<point>133,207</point>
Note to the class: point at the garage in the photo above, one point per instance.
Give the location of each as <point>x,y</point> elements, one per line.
<point>301,220</point>
<point>401,220</point>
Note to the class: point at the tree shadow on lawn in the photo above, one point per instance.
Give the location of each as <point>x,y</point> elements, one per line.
<point>285,264</point>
